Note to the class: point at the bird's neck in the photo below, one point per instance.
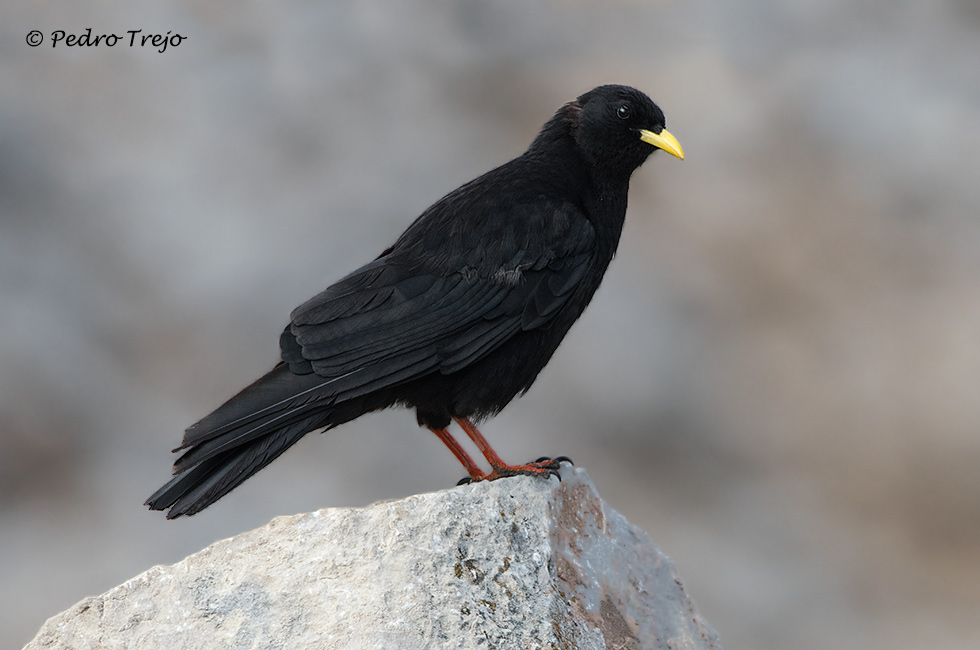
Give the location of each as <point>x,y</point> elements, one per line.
<point>607,211</point>
<point>559,158</point>
<point>601,193</point>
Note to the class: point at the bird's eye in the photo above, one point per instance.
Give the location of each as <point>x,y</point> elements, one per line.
<point>624,112</point>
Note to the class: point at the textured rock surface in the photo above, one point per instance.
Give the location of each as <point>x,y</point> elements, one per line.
<point>517,563</point>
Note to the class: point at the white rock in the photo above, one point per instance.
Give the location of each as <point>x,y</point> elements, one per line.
<point>516,563</point>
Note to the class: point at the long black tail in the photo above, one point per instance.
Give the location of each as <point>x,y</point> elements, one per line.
<point>244,435</point>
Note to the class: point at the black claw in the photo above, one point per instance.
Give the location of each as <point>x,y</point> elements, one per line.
<point>554,472</point>
<point>545,462</point>
<point>555,461</point>
<point>466,480</point>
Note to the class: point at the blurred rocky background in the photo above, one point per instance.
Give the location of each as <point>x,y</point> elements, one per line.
<point>778,380</point>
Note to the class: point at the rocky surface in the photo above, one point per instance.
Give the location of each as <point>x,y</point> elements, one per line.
<point>517,563</point>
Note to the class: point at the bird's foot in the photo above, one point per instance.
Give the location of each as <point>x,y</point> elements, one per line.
<point>544,466</point>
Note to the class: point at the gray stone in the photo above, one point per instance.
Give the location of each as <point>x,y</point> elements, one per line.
<point>516,563</point>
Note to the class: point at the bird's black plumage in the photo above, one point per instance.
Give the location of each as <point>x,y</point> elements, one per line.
<point>458,316</point>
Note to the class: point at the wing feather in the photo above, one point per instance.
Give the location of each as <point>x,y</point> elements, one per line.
<point>391,321</point>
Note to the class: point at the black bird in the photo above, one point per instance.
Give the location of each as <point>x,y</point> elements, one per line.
<point>457,317</point>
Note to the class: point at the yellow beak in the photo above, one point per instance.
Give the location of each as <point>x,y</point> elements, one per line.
<point>663,140</point>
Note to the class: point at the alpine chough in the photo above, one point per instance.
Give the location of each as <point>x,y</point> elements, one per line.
<point>457,317</point>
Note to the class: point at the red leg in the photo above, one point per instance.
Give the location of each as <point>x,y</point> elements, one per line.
<point>481,442</point>
<point>475,472</point>
<point>500,468</point>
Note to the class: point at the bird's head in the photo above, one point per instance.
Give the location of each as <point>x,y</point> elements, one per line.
<point>617,127</point>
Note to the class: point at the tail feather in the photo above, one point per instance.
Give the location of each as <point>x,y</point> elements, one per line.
<point>258,424</point>
<point>251,429</point>
<point>276,391</point>
<point>195,489</point>
<point>244,435</point>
